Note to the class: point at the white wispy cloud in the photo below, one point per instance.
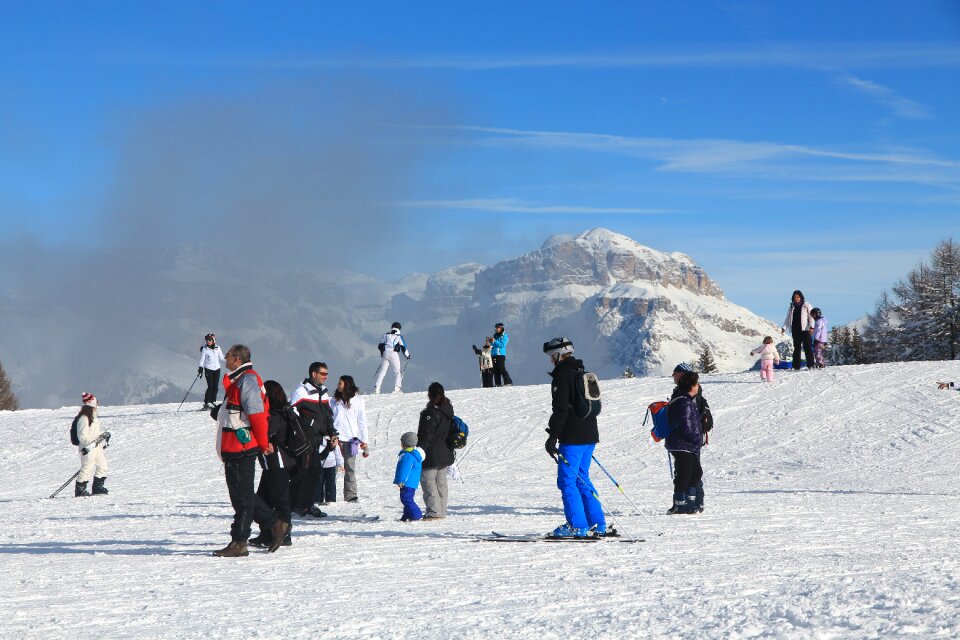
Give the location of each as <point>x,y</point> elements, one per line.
<point>900,106</point>
<point>876,55</point>
<point>513,205</point>
<point>705,155</point>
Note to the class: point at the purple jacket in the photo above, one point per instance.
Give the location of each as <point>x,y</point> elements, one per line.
<point>820,330</point>
<point>685,434</point>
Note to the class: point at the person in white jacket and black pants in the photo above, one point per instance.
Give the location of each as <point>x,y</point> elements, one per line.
<point>391,346</point>
<point>93,461</point>
<point>350,423</point>
<point>210,358</point>
<point>800,322</point>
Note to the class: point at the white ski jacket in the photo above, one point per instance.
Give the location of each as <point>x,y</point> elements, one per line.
<point>211,358</point>
<point>350,422</point>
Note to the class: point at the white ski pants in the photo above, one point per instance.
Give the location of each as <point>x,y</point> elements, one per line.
<point>93,464</point>
<point>390,358</point>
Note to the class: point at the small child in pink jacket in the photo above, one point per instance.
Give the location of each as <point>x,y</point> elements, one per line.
<point>768,358</point>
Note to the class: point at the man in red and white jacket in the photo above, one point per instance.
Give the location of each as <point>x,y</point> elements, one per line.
<point>242,432</point>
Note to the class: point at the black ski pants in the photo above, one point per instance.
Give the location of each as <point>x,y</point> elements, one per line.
<point>273,499</point>
<point>327,485</point>
<point>240,472</point>
<point>486,378</point>
<point>687,471</point>
<point>213,381</point>
<point>500,375</point>
<point>802,340</point>
<point>303,486</point>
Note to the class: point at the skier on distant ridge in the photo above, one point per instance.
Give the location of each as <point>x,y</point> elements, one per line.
<point>391,346</point>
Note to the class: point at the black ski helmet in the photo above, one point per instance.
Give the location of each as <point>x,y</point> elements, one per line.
<point>499,325</point>
<point>816,313</point>
<point>395,325</point>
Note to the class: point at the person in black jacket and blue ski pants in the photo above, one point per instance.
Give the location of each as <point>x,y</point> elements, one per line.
<point>571,442</point>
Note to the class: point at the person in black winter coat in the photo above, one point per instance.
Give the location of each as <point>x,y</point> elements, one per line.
<point>436,422</point>
<point>684,442</point>
<point>271,509</point>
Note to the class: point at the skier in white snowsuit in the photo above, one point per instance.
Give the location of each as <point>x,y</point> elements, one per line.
<point>93,462</point>
<point>391,346</point>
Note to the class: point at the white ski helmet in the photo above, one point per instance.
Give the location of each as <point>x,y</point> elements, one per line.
<point>557,347</point>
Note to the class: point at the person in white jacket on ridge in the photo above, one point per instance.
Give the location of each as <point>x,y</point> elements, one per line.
<point>350,422</point>
<point>210,358</point>
<point>391,346</point>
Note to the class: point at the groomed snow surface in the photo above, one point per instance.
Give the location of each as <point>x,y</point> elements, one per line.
<point>831,512</point>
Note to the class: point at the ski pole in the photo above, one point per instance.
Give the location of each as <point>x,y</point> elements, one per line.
<point>187,393</point>
<point>64,485</point>
<point>593,491</point>
<point>617,485</point>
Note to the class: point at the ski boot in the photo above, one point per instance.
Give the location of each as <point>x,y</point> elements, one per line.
<point>680,504</point>
<point>603,531</point>
<point>80,490</point>
<point>98,488</point>
<point>566,531</point>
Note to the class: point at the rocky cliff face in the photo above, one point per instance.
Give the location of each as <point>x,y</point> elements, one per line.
<point>623,305</point>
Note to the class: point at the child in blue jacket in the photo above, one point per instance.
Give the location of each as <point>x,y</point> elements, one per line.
<point>407,477</point>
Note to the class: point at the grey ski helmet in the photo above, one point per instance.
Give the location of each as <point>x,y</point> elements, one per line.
<point>557,347</point>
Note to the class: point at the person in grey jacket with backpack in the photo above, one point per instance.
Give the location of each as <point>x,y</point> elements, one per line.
<point>433,433</point>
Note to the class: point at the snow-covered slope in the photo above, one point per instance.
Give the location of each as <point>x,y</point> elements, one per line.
<point>832,511</point>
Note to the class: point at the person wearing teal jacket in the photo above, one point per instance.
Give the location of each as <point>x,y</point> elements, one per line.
<point>499,352</point>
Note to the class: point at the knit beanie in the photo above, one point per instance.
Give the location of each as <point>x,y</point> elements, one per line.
<point>409,439</point>
<point>89,400</point>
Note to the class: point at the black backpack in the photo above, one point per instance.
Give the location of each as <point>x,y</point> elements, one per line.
<point>586,395</point>
<point>74,438</point>
<point>298,441</point>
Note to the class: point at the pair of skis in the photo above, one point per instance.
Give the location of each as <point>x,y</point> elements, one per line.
<point>612,536</point>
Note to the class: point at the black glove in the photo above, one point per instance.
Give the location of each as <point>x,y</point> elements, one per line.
<point>199,371</point>
<point>215,411</point>
<point>551,445</point>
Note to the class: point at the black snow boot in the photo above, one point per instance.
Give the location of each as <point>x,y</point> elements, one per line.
<point>262,541</point>
<point>80,491</point>
<point>98,488</point>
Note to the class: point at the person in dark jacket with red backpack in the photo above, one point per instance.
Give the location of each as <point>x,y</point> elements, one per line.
<point>684,442</point>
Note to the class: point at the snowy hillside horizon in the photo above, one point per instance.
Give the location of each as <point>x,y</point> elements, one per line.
<point>623,304</point>
<point>831,512</point>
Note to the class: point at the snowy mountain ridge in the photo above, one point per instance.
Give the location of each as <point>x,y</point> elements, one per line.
<point>622,303</point>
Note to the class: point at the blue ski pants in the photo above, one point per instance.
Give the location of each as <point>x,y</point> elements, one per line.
<point>580,505</point>
<point>411,510</point>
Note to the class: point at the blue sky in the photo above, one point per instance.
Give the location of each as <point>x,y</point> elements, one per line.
<point>782,145</point>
